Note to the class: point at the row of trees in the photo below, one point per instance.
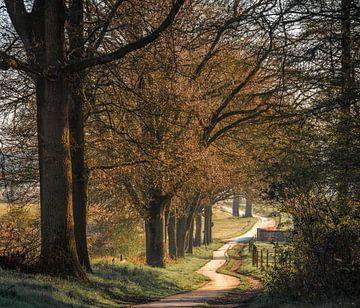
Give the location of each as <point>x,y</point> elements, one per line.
<point>158,110</point>
<point>150,124</point>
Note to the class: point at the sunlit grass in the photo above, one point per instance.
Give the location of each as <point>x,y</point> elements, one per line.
<point>227,226</point>
<point>3,208</point>
<point>33,209</point>
<point>112,285</point>
<point>117,284</point>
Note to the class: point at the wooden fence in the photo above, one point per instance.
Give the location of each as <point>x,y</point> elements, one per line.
<point>264,258</point>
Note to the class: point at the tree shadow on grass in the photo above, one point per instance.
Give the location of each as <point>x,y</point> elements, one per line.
<point>111,285</point>
<point>26,294</point>
<point>133,284</point>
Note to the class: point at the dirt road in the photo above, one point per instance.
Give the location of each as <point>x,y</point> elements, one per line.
<point>219,284</point>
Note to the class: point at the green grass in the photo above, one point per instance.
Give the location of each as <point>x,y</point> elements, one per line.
<point>227,226</point>
<point>118,284</point>
<point>246,268</point>
<point>111,284</point>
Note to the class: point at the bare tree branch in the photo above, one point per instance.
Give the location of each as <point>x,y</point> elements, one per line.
<point>123,51</point>
<point>7,62</point>
<point>20,19</point>
<point>107,23</point>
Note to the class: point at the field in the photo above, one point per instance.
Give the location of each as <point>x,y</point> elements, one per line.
<point>226,226</point>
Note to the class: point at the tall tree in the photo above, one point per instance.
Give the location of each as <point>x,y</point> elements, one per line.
<point>43,32</point>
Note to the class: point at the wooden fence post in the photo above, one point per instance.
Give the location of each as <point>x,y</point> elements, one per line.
<point>274,256</point>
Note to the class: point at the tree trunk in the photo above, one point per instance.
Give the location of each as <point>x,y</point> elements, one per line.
<point>76,125</point>
<point>198,225</point>
<point>172,236</point>
<point>185,229</point>
<point>208,225</point>
<point>190,236</point>
<point>181,233</point>
<point>248,208</point>
<point>167,218</point>
<point>155,231</point>
<point>236,207</point>
<point>343,164</point>
<point>79,173</point>
<point>58,247</point>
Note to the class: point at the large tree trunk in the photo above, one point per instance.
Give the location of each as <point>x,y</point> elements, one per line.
<point>198,227</point>
<point>172,236</point>
<point>58,248</point>
<point>79,173</point>
<point>155,230</point>
<point>208,225</point>
<point>248,208</point>
<point>236,207</point>
<point>76,125</point>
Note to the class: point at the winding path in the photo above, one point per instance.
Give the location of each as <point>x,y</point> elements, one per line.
<point>219,284</point>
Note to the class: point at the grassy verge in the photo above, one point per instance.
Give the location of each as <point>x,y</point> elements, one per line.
<point>111,285</point>
<point>118,284</point>
<point>241,255</point>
